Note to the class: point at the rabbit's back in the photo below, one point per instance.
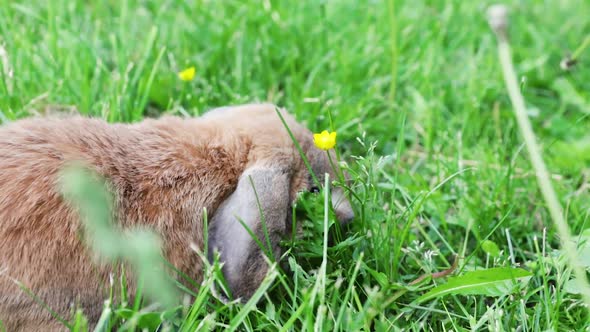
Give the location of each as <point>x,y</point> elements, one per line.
<point>163,173</point>
<point>38,232</point>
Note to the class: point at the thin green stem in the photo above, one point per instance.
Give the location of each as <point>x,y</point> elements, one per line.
<point>326,210</point>
<point>581,48</point>
<point>337,170</point>
<point>538,164</point>
<point>393,40</point>
<point>307,164</point>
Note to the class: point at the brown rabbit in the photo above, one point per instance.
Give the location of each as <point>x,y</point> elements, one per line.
<point>163,173</point>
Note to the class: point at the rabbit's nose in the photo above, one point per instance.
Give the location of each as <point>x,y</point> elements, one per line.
<point>342,207</point>
<point>345,217</point>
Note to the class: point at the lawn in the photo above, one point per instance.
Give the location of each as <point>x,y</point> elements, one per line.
<point>425,127</point>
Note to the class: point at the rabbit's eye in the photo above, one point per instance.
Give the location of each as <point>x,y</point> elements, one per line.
<point>314,190</point>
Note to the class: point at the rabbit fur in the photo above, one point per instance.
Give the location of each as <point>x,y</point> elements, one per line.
<point>163,173</point>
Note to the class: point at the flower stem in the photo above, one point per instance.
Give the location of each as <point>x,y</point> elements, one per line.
<point>538,164</point>
<point>581,48</point>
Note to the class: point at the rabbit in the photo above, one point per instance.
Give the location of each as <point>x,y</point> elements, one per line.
<point>162,173</point>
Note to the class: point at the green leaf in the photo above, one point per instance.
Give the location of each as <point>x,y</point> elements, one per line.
<point>491,282</point>
<point>149,320</point>
<point>491,248</point>
<point>124,313</point>
<point>380,277</point>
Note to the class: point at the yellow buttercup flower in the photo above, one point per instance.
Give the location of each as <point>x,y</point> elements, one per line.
<point>187,74</point>
<point>325,140</point>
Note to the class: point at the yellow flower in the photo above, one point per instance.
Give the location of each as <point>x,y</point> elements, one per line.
<point>187,74</point>
<point>325,140</point>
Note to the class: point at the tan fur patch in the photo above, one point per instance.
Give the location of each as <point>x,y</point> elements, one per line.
<point>163,172</point>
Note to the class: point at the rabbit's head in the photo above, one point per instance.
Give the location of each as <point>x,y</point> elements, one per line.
<point>261,204</point>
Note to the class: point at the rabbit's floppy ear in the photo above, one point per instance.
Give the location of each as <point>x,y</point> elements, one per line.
<point>258,207</point>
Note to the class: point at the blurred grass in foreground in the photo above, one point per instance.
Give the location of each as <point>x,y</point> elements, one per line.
<point>140,248</point>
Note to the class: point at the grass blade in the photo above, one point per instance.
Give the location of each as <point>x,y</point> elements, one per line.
<point>490,282</point>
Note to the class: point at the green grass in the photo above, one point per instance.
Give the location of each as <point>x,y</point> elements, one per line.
<point>424,123</point>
